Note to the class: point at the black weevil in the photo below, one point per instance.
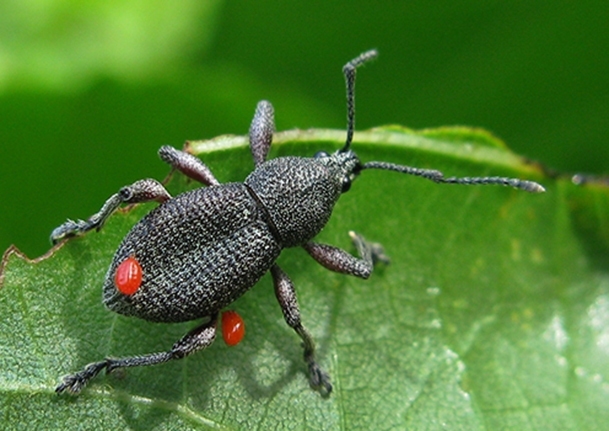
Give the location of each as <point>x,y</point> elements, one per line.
<point>198,252</point>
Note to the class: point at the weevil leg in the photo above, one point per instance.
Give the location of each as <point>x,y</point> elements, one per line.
<point>140,191</point>
<point>188,164</point>
<point>261,131</point>
<point>286,295</point>
<point>338,260</point>
<point>197,339</point>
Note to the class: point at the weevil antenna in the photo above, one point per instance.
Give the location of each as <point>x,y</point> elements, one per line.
<point>349,72</point>
<point>438,177</point>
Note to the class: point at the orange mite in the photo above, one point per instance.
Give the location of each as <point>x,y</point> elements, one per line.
<point>128,276</point>
<point>233,328</point>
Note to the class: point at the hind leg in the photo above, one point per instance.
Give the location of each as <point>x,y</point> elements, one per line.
<point>197,339</point>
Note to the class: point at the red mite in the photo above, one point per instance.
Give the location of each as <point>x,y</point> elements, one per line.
<point>233,328</point>
<point>128,276</point>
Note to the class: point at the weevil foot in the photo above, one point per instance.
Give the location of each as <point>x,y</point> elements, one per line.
<point>376,250</point>
<point>67,230</point>
<point>319,379</point>
<point>74,383</point>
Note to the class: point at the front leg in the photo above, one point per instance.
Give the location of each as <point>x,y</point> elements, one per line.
<point>338,260</point>
<point>286,295</point>
<point>140,191</point>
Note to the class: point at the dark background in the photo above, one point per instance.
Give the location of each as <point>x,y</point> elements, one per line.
<point>89,93</point>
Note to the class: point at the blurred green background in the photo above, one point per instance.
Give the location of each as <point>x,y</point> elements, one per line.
<point>90,90</point>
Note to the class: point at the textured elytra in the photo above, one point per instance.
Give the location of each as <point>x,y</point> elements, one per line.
<point>198,252</point>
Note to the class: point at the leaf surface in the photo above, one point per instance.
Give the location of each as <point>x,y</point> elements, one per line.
<point>494,313</point>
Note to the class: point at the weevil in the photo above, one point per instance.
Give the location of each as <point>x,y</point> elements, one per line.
<point>199,251</point>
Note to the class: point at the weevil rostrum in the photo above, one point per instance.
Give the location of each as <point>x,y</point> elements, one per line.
<point>197,252</point>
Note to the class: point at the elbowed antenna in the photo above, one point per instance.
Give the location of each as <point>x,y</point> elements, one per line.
<point>431,174</point>
<point>438,177</point>
<point>349,71</point>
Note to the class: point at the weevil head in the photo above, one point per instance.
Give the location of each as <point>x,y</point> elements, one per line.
<point>343,167</point>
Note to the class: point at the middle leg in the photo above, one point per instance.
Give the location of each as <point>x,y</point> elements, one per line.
<point>286,295</point>
<point>140,191</point>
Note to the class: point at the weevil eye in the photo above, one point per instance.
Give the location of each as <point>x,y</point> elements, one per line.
<point>320,154</point>
<point>346,184</point>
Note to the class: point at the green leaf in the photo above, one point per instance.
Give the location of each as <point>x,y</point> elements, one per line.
<point>494,313</point>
